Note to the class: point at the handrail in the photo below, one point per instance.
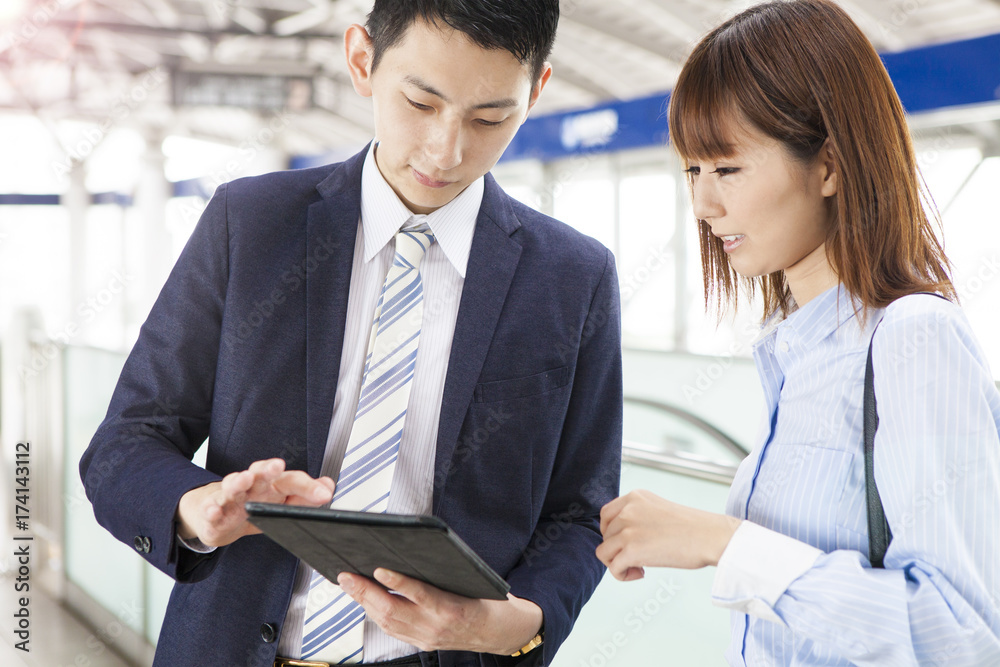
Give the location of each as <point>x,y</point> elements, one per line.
<point>683,465</point>
<point>726,441</point>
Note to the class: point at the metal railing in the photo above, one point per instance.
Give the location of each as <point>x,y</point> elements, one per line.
<point>681,462</point>
<point>678,463</point>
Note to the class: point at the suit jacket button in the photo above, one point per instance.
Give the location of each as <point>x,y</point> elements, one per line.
<point>268,632</point>
<point>137,543</point>
<point>146,545</point>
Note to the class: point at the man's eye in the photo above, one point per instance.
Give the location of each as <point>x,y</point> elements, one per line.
<point>417,105</point>
<point>489,123</point>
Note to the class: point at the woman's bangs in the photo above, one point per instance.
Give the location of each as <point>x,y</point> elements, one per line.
<point>702,125</point>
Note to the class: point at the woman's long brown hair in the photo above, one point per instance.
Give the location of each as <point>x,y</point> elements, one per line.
<point>802,72</point>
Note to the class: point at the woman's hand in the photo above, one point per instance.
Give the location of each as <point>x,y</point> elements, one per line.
<point>643,529</point>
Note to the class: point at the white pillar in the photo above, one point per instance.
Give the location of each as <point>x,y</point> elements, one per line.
<point>681,222</point>
<point>77,202</point>
<point>150,203</point>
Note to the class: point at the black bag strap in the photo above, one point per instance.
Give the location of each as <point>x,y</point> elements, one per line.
<point>879,533</point>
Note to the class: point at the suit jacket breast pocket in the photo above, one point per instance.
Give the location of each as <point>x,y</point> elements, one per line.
<point>522,387</point>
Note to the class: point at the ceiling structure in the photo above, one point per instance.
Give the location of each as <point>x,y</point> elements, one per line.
<point>128,62</point>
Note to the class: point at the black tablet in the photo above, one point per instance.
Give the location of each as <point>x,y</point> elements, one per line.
<point>422,547</point>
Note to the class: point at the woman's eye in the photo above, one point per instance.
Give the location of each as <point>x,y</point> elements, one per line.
<point>692,171</point>
<point>726,171</point>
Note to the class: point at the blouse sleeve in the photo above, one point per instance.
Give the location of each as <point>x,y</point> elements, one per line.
<point>937,466</point>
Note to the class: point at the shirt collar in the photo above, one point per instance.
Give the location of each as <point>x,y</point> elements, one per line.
<point>383,214</point>
<point>814,321</point>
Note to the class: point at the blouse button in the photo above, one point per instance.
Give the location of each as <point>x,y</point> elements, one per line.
<point>784,346</point>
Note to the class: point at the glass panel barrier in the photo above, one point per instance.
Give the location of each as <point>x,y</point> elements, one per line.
<point>104,568</point>
<point>667,617</point>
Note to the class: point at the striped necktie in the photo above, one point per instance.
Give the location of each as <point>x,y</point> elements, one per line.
<point>334,627</point>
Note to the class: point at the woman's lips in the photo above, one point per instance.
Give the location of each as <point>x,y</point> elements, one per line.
<point>427,181</point>
<point>730,243</point>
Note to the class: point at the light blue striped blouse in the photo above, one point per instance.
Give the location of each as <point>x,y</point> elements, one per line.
<point>937,465</point>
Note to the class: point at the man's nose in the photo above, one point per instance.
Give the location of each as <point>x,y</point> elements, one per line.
<point>445,145</point>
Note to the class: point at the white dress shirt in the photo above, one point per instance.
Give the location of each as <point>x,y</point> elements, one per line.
<point>443,275</point>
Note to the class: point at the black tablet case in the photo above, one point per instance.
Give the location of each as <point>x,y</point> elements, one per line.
<point>422,547</point>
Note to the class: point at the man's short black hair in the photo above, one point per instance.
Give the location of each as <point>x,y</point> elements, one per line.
<point>525,28</point>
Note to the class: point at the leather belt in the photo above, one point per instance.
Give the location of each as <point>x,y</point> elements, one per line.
<point>408,661</point>
<point>288,662</point>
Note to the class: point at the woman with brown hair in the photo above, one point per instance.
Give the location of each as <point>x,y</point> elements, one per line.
<point>806,190</point>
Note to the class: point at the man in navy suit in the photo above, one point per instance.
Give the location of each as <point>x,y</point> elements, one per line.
<point>258,339</point>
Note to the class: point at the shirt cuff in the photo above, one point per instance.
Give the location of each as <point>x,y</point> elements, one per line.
<point>196,545</point>
<point>757,568</point>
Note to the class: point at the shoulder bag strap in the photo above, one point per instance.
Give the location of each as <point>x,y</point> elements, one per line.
<point>879,534</point>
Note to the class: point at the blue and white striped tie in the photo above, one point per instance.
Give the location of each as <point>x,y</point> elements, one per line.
<point>334,627</point>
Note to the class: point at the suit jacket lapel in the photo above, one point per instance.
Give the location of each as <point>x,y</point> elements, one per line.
<point>493,259</point>
<point>331,231</point>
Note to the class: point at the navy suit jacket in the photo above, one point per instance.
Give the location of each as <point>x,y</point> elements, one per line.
<point>243,347</point>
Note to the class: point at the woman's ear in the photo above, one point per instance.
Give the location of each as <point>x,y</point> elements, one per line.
<point>359,50</point>
<point>828,166</point>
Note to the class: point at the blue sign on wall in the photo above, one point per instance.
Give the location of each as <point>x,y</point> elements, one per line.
<point>928,78</point>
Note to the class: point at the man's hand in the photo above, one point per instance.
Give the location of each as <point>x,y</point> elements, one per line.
<point>214,513</point>
<point>434,620</point>
<point>643,529</point>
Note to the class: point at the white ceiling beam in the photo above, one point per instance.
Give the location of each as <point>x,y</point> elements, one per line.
<point>217,13</point>
<point>569,73</point>
<point>628,39</point>
<point>252,21</point>
<point>670,52</point>
<point>296,23</point>
<point>656,12</point>
<point>883,33</point>
<point>164,11</point>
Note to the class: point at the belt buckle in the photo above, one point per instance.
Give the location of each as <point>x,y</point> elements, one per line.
<point>288,662</point>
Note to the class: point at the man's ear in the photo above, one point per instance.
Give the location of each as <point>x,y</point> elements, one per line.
<point>828,165</point>
<point>359,51</point>
<point>536,90</point>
